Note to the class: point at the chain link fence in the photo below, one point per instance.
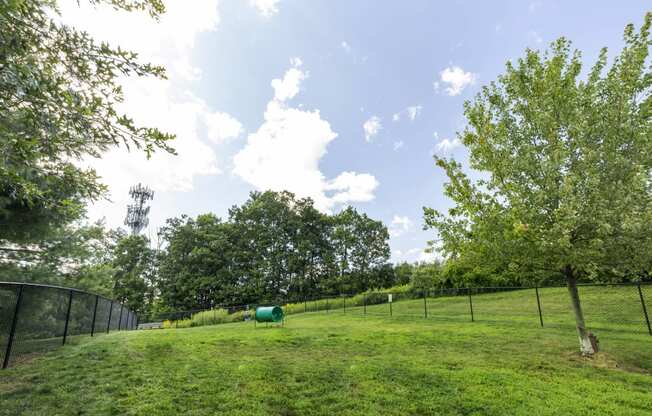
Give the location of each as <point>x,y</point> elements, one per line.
<point>615,307</point>
<point>37,318</point>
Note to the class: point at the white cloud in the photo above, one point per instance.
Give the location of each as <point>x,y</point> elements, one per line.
<point>448,145</point>
<point>345,46</point>
<point>266,8</point>
<point>412,112</point>
<point>166,104</point>
<point>435,86</point>
<point>427,257</point>
<point>534,37</point>
<point>351,186</point>
<point>284,153</point>
<point>457,79</point>
<point>221,126</point>
<point>415,254</point>
<point>288,87</point>
<point>398,144</point>
<point>371,127</point>
<point>399,226</point>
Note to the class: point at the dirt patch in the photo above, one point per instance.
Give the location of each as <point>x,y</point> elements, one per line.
<point>605,361</point>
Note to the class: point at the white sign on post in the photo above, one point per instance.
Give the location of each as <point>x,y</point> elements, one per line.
<point>389,298</point>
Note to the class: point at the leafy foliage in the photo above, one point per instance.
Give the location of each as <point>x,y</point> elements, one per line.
<point>73,255</point>
<point>566,165</point>
<point>273,246</point>
<point>59,93</point>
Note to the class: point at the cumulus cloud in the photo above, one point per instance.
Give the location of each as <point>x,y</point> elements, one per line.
<point>351,186</point>
<point>266,8</point>
<point>399,226</point>
<point>287,87</point>
<point>411,112</point>
<point>284,153</point>
<point>371,128</point>
<point>166,104</point>
<point>457,80</point>
<point>448,145</point>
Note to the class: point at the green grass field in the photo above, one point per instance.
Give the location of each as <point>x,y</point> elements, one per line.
<point>336,363</point>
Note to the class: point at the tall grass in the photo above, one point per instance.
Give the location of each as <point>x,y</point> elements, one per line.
<point>209,317</point>
<point>222,316</point>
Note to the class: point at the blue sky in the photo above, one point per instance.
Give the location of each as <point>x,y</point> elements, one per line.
<point>404,68</point>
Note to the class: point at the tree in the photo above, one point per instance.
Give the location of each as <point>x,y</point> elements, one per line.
<point>268,225</point>
<point>199,267</point>
<point>426,275</point>
<point>361,248</point>
<point>58,95</point>
<point>74,255</point>
<point>314,259</point>
<point>566,166</point>
<point>403,272</point>
<point>134,278</point>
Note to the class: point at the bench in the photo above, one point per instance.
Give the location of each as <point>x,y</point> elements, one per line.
<point>151,325</point>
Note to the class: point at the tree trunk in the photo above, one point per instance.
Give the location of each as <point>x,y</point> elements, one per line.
<point>587,345</point>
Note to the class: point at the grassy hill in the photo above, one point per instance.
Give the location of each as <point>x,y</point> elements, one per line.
<point>336,363</point>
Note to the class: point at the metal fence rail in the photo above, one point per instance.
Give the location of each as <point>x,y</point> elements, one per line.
<point>36,318</point>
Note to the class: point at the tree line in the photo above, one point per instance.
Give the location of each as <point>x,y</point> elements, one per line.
<point>274,246</point>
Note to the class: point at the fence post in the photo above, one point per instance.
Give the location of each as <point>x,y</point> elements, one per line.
<point>120,317</point>
<point>470,304</point>
<point>14,321</point>
<point>536,290</point>
<point>647,318</point>
<point>108,325</point>
<point>97,298</point>
<point>425,304</point>
<point>390,308</point>
<point>65,328</point>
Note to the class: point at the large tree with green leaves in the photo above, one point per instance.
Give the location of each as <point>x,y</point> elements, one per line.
<point>73,255</point>
<point>59,92</point>
<point>134,272</point>
<point>361,249</point>
<point>565,160</point>
<point>198,267</point>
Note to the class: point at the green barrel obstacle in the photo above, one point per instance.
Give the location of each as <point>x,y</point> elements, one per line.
<point>269,314</point>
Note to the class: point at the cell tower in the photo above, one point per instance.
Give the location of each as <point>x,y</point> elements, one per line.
<point>137,212</point>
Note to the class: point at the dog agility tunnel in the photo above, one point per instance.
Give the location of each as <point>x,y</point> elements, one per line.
<point>269,314</point>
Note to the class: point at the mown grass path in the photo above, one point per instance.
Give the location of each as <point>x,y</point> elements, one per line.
<point>336,364</point>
